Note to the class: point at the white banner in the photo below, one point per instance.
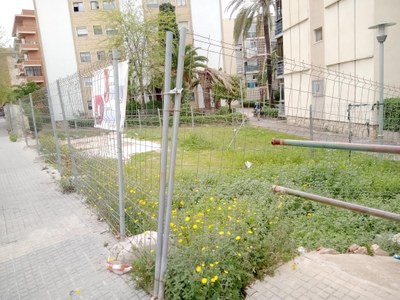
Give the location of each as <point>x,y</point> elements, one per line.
<point>103,96</point>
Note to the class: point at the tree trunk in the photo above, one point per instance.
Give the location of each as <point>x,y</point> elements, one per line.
<point>268,53</point>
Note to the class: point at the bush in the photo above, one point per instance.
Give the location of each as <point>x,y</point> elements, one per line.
<point>13,137</point>
<point>392,114</point>
<point>270,112</point>
<point>81,123</point>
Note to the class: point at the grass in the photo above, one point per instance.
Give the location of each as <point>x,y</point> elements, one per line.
<point>227,227</point>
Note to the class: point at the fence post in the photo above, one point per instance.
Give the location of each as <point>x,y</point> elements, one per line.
<point>34,123</point>
<point>66,129</point>
<point>164,159</point>
<point>159,117</point>
<point>177,109</point>
<point>10,110</point>
<point>23,129</point>
<point>140,121</point>
<point>119,145</point>
<point>311,130</point>
<point>192,113</point>
<point>55,135</point>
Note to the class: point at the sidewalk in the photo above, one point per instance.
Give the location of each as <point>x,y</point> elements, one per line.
<point>325,276</point>
<point>51,245</point>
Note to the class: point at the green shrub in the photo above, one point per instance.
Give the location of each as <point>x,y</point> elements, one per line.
<point>13,137</point>
<point>270,112</point>
<point>392,114</point>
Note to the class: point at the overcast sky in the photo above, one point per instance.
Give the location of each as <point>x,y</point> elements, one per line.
<point>9,9</point>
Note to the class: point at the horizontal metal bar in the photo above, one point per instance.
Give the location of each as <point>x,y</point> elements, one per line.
<point>337,203</point>
<point>339,146</point>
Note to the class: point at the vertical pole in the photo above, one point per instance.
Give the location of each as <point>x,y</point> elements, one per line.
<point>177,108</point>
<point>381,100</point>
<point>241,99</point>
<point>140,121</point>
<point>23,122</point>
<point>192,113</point>
<point>10,113</point>
<point>119,146</point>
<point>34,122</point>
<point>159,117</point>
<point>349,119</point>
<point>66,129</point>
<point>164,159</point>
<point>311,130</point>
<point>55,135</point>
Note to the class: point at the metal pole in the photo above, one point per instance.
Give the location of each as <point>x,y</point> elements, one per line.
<point>23,122</point>
<point>192,114</point>
<point>337,203</point>
<point>339,146</point>
<point>381,100</point>
<point>66,129</point>
<point>140,121</point>
<point>159,117</point>
<point>241,100</point>
<point>55,135</point>
<point>311,130</point>
<point>164,160</point>
<point>34,123</point>
<point>178,97</point>
<point>119,145</point>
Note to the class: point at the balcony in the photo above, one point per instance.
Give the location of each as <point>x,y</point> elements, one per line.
<point>22,30</point>
<point>37,79</point>
<point>29,46</point>
<point>278,28</point>
<point>279,69</point>
<point>31,63</point>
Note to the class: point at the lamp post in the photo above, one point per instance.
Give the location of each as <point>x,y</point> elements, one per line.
<point>381,37</point>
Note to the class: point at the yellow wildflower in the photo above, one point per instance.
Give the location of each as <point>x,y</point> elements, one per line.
<point>237,238</point>
<point>198,269</point>
<point>204,280</point>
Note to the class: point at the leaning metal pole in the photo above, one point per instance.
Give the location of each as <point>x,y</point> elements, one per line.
<point>337,203</point>
<point>177,108</point>
<point>119,146</point>
<point>164,159</point>
<point>339,146</point>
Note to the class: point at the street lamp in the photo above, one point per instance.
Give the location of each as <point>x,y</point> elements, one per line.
<point>381,37</point>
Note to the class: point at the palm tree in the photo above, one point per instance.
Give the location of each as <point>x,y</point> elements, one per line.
<point>248,12</point>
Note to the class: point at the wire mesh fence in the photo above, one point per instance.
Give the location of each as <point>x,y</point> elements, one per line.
<point>226,224</point>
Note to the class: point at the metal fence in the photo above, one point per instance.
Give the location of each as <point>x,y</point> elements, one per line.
<point>318,104</point>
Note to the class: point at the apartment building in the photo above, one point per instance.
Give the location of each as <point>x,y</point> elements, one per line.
<point>29,65</point>
<point>90,29</point>
<point>73,34</point>
<point>332,57</point>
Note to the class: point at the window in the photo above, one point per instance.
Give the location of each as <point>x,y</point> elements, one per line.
<point>111,31</point>
<point>108,4</point>
<point>85,57</point>
<point>97,29</point>
<point>81,31</point>
<point>252,32</point>
<point>152,3</point>
<point>94,5</point>
<point>101,55</point>
<point>318,34</point>
<point>33,71</point>
<point>317,88</point>
<point>87,81</point>
<point>78,6</point>
<point>181,2</point>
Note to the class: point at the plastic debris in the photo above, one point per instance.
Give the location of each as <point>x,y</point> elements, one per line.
<point>117,267</point>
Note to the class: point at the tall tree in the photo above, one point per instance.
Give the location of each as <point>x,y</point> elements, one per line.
<point>248,12</point>
<point>134,37</point>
